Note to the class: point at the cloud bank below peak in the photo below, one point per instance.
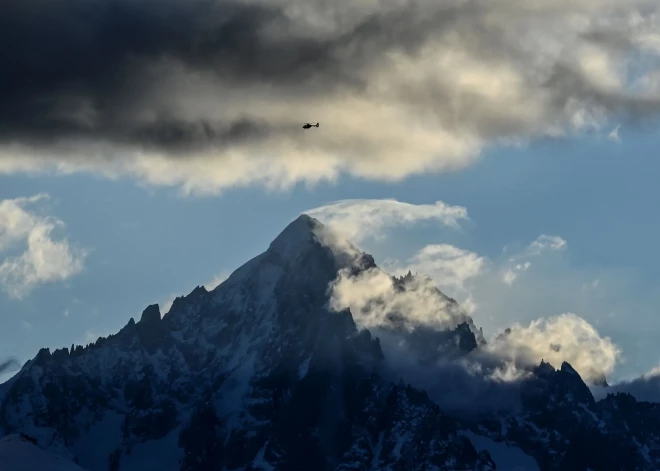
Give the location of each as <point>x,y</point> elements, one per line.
<point>400,87</point>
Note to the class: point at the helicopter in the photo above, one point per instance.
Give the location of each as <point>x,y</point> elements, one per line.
<point>308,125</point>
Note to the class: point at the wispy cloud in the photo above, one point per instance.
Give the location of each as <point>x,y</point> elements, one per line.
<point>614,134</point>
<point>525,284</point>
<point>358,219</point>
<point>44,259</point>
<point>400,88</point>
<point>450,266</point>
<point>519,263</point>
<point>564,337</point>
<point>546,242</point>
<point>215,281</point>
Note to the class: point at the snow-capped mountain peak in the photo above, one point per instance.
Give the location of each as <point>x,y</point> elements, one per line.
<point>306,234</point>
<point>261,373</point>
<point>297,236</point>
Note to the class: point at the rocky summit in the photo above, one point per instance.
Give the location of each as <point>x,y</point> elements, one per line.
<point>262,374</point>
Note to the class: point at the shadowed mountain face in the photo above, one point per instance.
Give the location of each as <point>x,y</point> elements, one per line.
<point>261,374</point>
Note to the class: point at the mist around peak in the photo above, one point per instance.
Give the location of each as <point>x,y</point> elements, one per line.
<point>430,341</point>
<point>643,388</point>
<point>306,233</point>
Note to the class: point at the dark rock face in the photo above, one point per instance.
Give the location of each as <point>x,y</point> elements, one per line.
<point>260,374</point>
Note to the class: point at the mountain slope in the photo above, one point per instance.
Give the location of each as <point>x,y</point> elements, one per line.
<point>260,373</point>
<point>22,453</point>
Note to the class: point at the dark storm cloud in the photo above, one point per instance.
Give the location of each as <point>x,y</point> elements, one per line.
<point>98,46</point>
<point>176,134</point>
<point>60,57</point>
<point>81,69</point>
<point>133,81</point>
<point>104,56</point>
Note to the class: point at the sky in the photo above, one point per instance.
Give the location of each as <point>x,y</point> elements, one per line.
<point>507,149</point>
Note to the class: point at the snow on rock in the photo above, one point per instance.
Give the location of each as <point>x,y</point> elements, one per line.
<point>295,238</point>
<point>506,457</point>
<point>94,447</point>
<point>304,367</point>
<point>21,453</point>
<point>260,463</point>
<point>162,455</point>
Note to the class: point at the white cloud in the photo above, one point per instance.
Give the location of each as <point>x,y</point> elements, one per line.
<point>215,281</point>
<point>485,285</point>
<point>546,242</point>
<point>363,218</point>
<point>614,134</point>
<point>511,274</point>
<point>555,339</point>
<point>374,297</point>
<point>462,274</point>
<point>452,268</point>
<point>519,263</point>
<point>44,259</point>
<point>26,325</point>
<point>166,305</point>
<point>449,266</point>
<point>566,337</point>
<point>652,373</point>
<point>592,285</point>
<point>527,307</point>
<point>375,301</point>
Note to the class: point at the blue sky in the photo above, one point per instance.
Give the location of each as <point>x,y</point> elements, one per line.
<point>148,244</point>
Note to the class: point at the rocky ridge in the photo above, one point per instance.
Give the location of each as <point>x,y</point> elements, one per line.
<point>260,374</point>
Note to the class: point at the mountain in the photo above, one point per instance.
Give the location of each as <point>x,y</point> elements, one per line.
<point>20,452</point>
<point>261,373</point>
